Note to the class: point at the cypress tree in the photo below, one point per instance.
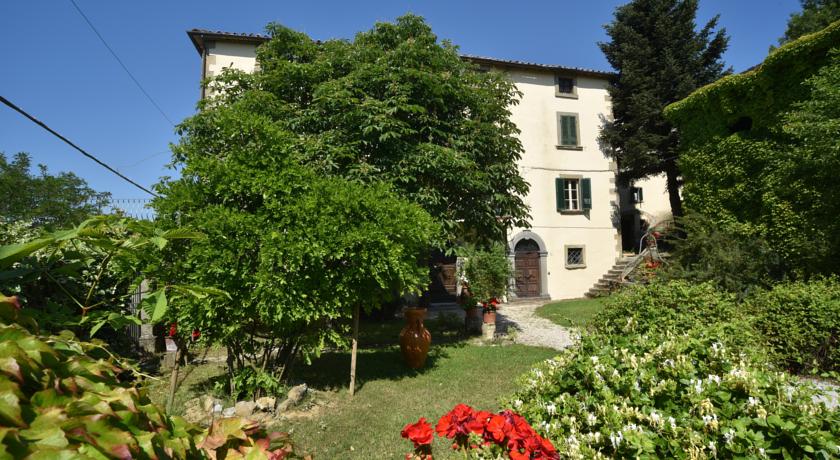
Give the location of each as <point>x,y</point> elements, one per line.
<point>660,57</point>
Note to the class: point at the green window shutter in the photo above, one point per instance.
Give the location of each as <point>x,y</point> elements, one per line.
<point>567,129</point>
<point>571,123</point>
<point>559,187</point>
<point>560,132</point>
<point>641,196</point>
<point>586,193</point>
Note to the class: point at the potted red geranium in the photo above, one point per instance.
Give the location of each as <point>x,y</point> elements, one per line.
<point>489,309</point>
<point>489,272</point>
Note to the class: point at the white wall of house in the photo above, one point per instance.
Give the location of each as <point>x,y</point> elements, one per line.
<point>234,55</point>
<point>655,206</point>
<point>543,162</point>
<point>595,230</point>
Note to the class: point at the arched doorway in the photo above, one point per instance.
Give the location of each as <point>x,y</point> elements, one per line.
<point>528,255</point>
<point>527,268</point>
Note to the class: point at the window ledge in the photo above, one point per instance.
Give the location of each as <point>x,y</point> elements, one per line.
<point>575,267</point>
<point>566,95</point>
<point>572,212</point>
<point>569,147</point>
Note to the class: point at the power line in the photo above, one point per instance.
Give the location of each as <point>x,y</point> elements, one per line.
<point>113,53</point>
<point>71,144</point>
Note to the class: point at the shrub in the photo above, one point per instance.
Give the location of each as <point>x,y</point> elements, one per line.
<point>64,398</point>
<point>801,324</point>
<point>487,272</point>
<point>728,255</point>
<point>674,307</point>
<point>671,395</point>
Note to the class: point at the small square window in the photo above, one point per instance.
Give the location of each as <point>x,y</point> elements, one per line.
<point>565,87</point>
<point>638,197</point>
<point>575,257</point>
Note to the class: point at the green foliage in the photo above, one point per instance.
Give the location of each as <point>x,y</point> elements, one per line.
<point>760,95</point>
<point>44,200</point>
<point>815,16</point>
<point>801,324</point>
<point>673,395</point>
<point>660,58</point>
<point>487,272</point>
<point>394,105</point>
<point>673,307</point>
<point>84,276</point>
<point>295,248</point>
<point>727,255</point>
<point>63,398</point>
<point>771,175</point>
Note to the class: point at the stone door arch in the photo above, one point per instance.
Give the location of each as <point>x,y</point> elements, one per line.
<point>528,255</point>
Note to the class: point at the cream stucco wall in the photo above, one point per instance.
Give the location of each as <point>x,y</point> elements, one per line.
<point>542,162</point>
<point>222,55</point>
<point>655,206</point>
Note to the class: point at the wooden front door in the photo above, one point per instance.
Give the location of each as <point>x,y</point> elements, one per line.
<point>527,274</point>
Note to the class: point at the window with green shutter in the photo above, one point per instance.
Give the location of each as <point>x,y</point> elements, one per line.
<point>586,193</point>
<point>567,129</point>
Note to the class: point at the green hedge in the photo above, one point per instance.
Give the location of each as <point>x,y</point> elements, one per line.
<point>801,324</point>
<point>674,307</point>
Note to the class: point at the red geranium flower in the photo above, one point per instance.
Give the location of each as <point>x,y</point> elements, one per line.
<point>454,422</point>
<point>173,329</point>
<point>419,433</point>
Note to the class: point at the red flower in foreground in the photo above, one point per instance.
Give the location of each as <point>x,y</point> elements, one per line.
<point>454,422</point>
<point>419,433</point>
<point>173,329</point>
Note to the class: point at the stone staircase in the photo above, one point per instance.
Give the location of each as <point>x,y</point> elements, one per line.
<point>610,281</point>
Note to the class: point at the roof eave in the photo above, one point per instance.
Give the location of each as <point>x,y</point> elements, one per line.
<point>199,38</point>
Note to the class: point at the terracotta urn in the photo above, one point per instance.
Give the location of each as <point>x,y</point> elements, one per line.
<point>490,317</point>
<point>415,338</point>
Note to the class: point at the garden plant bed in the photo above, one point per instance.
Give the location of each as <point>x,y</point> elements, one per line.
<point>329,424</point>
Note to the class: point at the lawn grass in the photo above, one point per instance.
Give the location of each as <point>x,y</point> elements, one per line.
<point>388,394</point>
<point>571,313</point>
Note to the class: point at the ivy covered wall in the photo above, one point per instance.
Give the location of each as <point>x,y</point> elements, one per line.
<point>761,152</point>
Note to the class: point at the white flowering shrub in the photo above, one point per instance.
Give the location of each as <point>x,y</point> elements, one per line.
<point>675,306</point>
<point>671,395</point>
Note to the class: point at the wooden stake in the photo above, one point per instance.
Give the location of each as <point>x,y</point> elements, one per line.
<point>353,352</point>
<point>173,380</point>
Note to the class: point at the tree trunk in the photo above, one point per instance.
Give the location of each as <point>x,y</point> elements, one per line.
<point>353,352</point>
<point>672,175</point>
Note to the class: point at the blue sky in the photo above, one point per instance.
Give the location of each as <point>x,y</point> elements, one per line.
<point>55,67</point>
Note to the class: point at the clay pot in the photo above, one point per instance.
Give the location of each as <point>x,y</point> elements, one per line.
<point>415,338</point>
<point>490,317</point>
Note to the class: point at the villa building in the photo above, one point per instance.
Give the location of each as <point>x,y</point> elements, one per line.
<point>577,212</point>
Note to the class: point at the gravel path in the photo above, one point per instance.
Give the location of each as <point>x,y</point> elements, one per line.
<point>529,329</point>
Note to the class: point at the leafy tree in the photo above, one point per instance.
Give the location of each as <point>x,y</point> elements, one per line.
<point>399,106</point>
<point>296,249</point>
<point>660,58</point>
<point>44,199</point>
<point>815,15</point>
